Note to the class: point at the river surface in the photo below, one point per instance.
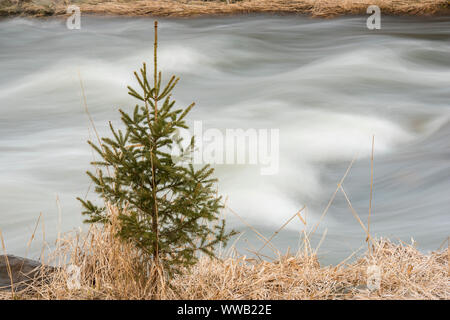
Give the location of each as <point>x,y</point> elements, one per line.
<point>328,86</point>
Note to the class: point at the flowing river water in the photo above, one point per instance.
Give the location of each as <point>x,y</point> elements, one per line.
<point>328,86</point>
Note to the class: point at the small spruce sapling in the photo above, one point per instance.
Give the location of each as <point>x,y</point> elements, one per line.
<point>169,211</point>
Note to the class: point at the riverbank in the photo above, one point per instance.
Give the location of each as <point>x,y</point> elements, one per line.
<point>186,8</point>
<point>110,269</point>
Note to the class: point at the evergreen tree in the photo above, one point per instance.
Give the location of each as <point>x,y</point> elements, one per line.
<point>169,210</point>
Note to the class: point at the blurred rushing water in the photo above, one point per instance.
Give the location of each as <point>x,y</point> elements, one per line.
<point>327,85</point>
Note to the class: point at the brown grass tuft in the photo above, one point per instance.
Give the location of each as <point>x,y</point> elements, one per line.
<point>406,274</point>
<point>109,268</point>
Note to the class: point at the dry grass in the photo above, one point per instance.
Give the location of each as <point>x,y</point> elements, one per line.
<point>406,274</point>
<point>186,8</point>
<point>112,269</point>
<point>109,268</point>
